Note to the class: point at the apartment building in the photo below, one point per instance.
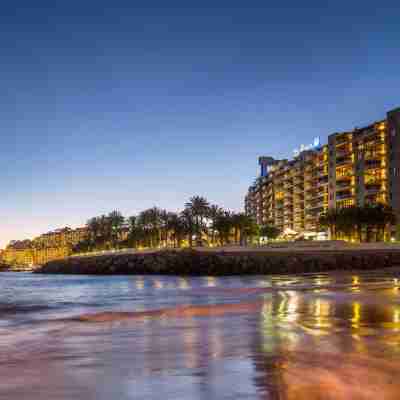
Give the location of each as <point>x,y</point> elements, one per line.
<point>357,167</point>
<point>49,246</point>
<point>61,237</point>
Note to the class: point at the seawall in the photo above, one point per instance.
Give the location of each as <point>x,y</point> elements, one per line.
<point>4,267</point>
<point>219,263</point>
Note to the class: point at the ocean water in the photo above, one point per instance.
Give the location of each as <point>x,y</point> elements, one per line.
<point>328,336</point>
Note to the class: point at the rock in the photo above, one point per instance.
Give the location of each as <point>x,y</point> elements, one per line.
<point>193,262</point>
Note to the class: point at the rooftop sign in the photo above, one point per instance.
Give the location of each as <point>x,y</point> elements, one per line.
<point>313,146</point>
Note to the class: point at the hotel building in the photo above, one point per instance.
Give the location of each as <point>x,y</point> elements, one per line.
<point>357,167</point>
<point>49,246</point>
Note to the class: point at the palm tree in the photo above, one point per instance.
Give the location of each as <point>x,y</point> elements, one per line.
<point>188,222</point>
<point>330,220</point>
<point>135,232</point>
<point>240,223</point>
<point>213,212</point>
<point>352,221</point>
<point>176,227</point>
<point>224,227</point>
<point>163,230</point>
<point>389,219</point>
<point>269,231</point>
<point>381,218</point>
<point>116,222</point>
<point>93,228</point>
<point>251,229</point>
<point>150,222</point>
<point>105,229</point>
<point>199,209</point>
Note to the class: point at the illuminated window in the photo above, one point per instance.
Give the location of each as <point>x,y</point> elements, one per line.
<point>345,203</point>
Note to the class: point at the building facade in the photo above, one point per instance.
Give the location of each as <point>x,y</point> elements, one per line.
<point>49,246</point>
<point>357,167</point>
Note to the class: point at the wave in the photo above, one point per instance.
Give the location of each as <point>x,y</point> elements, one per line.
<point>7,309</point>
<point>188,311</point>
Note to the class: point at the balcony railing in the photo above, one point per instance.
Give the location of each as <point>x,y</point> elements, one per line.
<point>343,184</point>
<point>342,139</point>
<point>344,195</point>
<point>343,161</point>
<point>343,152</point>
<point>373,164</point>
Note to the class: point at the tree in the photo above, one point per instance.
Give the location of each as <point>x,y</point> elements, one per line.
<point>269,231</point>
<point>135,232</point>
<point>177,228</point>
<point>329,220</point>
<point>224,226</point>
<point>359,222</point>
<point>116,222</point>
<point>242,224</point>
<point>213,212</point>
<point>252,230</point>
<point>199,209</point>
<point>150,223</point>
<point>188,222</point>
<point>93,228</point>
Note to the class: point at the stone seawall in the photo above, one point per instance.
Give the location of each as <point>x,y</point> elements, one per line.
<point>219,263</point>
<point>4,267</point>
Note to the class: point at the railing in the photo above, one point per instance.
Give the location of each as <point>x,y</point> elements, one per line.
<point>344,196</point>
<point>373,164</point>
<point>104,252</point>
<point>345,161</point>
<point>373,190</point>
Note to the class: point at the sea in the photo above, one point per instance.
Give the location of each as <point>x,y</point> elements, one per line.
<point>316,336</point>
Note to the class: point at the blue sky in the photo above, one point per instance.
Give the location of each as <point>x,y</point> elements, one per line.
<point>125,105</point>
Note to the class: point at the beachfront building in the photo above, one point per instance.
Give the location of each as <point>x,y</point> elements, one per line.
<point>47,247</point>
<point>357,167</point>
<point>61,237</point>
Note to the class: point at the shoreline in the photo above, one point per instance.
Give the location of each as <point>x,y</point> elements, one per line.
<point>226,262</point>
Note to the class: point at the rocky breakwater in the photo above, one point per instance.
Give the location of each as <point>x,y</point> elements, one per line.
<point>219,263</point>
<point>4,267</point>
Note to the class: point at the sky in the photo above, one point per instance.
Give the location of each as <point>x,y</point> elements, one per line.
<point>129,104</point>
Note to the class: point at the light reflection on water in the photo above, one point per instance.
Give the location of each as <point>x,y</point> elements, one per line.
<point>304,337</point>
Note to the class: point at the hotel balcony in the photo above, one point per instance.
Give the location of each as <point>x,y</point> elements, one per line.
<point>373,155</point>
<point>343,152</point>
<point>321,172</point>
<point>343,161</point>
<point>373,164</point>
<point>298,213</point>
<point>372,189</point>
<point>298,183</point>
<point>298,191</point>
<point>342,139</point>
<point>310,189</point>
<point>315,209</point>
<point>288,193</point>
<point>343,184</point>
<point>311,218</point>
<point>322,193</point>
<point>344,195</point>
<point>298,227</point>
<point>323,180</point>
